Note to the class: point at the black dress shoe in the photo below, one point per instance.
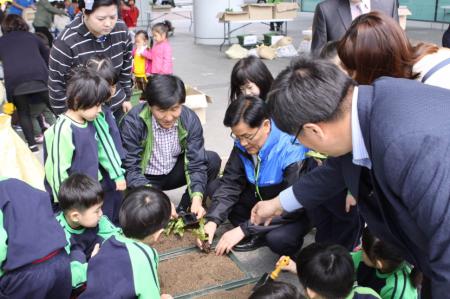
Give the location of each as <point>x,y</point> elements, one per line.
<point>249,244</point>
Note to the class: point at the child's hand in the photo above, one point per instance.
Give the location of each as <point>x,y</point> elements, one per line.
<point>95,250</point>
<point>166,296</point>
<point>291,267</point>
<point>173,212</point>
<point>121,185</point>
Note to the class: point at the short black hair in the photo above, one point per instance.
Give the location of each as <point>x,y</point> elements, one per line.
<point>251,110</point>
<point>97,4</point>
<point>276,290</point>
<point>144,211</point>
<point>308,91</point>
<point>329,51</point>
<point>86,89</point>
<point>142,32</point>
<point>251,69</point>
<point>163,27</point>
<point>103,66</point>
<point>376,249</point>
<point>165,91</point>
<point>13,22</point>
<point>79,192</point>
<point>326,269</point>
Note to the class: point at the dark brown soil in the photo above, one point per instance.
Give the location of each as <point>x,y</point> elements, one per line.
<point>195,271</point>
<point>168,243</point>
<point>239,293</point>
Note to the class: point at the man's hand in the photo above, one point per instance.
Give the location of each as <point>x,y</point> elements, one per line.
<point>197,207</point>
<point>350,201</point>
<point>126,106</point>
<point>264,211</point>
<point>228,240</point>
<point>210,229</point>
<point>121,185</point>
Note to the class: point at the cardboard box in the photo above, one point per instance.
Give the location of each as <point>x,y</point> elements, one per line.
<point>285,10</point>
<point>403,13</point>
<point>232,16</point>
<point>198,102</point>
<point>259,11</point>
<point>161,8</point>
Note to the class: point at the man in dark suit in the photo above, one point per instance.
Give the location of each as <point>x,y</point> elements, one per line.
<point>446,38</point>
<point>332,18</point>
<point>391,143</point>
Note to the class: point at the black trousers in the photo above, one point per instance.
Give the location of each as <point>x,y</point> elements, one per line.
<point>284,236</point>
<point>22,103</point>
<point>46,32</point>
<point>177,178</point>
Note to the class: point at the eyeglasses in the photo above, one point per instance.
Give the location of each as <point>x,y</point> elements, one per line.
<point>294,139</point>
<point>248,139</point>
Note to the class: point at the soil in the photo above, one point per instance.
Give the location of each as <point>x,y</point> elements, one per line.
<point>171,242</point>
<point>238,293</point>
<point>195,271</point>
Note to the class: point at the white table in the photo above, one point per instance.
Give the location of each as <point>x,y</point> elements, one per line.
<point>171,11</point>
<point>227,31</point>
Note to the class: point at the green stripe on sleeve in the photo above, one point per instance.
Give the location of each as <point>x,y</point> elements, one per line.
<point>3,243</point>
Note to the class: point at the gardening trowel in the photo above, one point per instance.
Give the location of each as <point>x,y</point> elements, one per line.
<point>274,275</point>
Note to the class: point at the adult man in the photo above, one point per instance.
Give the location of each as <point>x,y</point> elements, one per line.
<point>391,141</point>
<point>333,17</point>
<point>163,140</point>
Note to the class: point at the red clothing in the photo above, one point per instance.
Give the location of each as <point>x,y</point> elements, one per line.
<point>130,16</point>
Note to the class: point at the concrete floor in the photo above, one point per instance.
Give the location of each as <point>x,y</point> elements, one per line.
<point>208,69</point>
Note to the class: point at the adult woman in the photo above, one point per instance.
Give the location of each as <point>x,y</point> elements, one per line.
<point>96,30</point>
<point>24,59</point>
<point>375,46</point>
<point>263,162</point>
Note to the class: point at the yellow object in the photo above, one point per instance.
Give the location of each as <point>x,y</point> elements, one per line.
<point>17,161</point>
<point>283,263</point>
<point>139,66</point>
<point>9,108</point>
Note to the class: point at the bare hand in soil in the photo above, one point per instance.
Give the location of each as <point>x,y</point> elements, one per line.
<point>264,211</point>
<point>228,240</point>
<point>95,250</point>
<point>166,296</point>
<point>206,246</point>
<point>210,230</point>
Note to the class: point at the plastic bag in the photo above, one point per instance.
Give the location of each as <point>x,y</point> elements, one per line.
<point>236,51</point>
<point>17,160</point>
<point>287,51</point>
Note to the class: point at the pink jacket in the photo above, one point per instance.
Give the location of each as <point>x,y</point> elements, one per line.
<point>148,63</point>
<point>161,56</point>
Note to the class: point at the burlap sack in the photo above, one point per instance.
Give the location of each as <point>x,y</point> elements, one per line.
<point>236,51</point>
<point>287,40</point>
<point>266,52</point>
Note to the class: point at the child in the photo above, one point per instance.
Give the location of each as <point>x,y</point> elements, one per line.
<point>73,143</point>
<point>250,76</point>
<point>141,60</point>
<point>33,261</point>
<point>126,266</point>
<point>81,199</point>
<point>327,272</point>
<point>276,290</point>
<point>383,268</point>
<point>161,53</point>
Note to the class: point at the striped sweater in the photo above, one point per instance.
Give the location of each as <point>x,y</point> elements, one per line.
<point>75,45</point>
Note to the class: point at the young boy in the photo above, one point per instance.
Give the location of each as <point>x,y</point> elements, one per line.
<point>126,266</point>
<point>32,257</point>
<point>74,144</point>
<point>327,272</point>
<point>81,199</point>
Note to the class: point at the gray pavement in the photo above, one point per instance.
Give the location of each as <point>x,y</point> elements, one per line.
<point>208,69</point>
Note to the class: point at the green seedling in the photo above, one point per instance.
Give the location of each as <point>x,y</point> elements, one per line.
<point>178,227</point>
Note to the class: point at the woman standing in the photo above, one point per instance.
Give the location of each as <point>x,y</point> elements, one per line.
<point>24,59</point>
<point>44,18</point>
<point>96,30</point>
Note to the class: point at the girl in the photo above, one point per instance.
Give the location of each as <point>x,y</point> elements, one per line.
<point>74,143</point>
<point>379,266</point>
<point>250,76</point>
<point>141,60</point>
<point>161,53</point>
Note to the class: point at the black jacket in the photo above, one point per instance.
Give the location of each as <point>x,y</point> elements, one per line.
<point>137,142</point>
